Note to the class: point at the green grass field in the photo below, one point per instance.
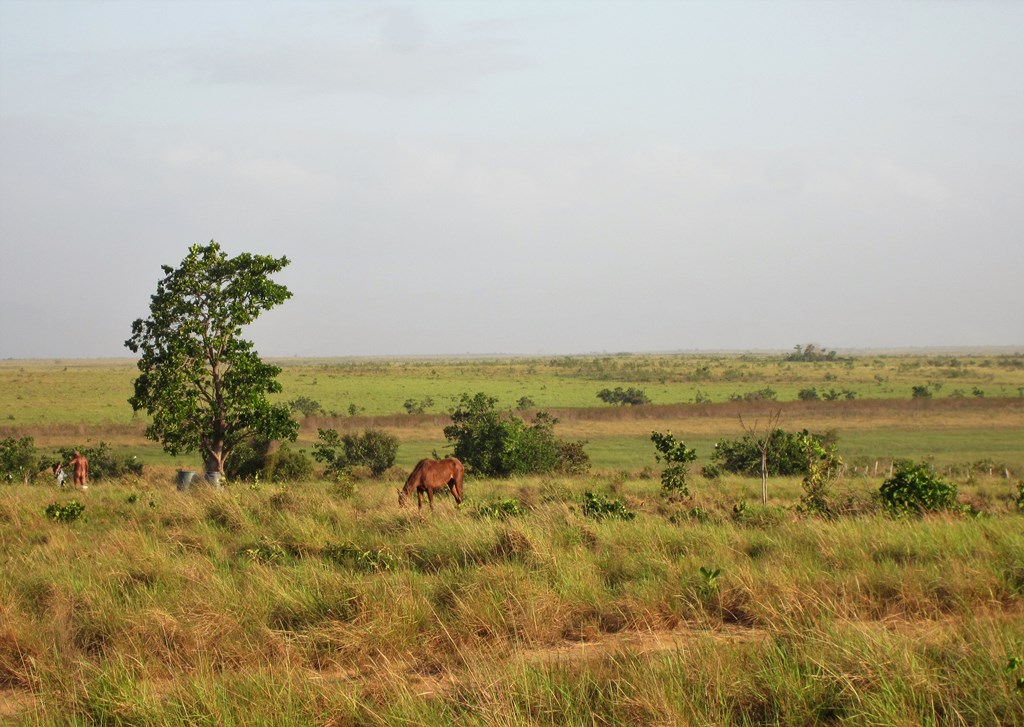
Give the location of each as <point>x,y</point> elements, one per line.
<point>974,413</point>
<point>302,603</point>
<point>295,606</point>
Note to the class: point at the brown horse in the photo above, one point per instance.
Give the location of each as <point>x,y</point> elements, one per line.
<point>430,475</point>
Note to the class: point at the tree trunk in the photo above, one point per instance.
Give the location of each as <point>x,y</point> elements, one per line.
<point>764,477</point>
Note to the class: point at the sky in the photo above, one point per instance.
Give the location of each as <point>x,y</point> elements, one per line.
<point>557,177</point>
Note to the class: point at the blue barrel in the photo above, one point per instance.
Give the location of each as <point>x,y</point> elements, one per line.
<point>185,478</point>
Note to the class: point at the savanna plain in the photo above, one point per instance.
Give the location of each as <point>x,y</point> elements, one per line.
<point>325,602</point>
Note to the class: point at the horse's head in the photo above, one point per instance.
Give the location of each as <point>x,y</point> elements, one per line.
<point>401,498</point>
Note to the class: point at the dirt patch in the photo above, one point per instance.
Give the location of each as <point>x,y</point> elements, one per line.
<point>14,702</point>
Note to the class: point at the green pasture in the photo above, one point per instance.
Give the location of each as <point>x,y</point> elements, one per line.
<point>304,604</point>
<point>96,392</point>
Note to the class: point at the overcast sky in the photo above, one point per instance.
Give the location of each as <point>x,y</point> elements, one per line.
<point>519,177</point>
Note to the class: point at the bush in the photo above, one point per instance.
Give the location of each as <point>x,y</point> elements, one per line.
<point>921,392</point>
<point>305,406</point>
<point>65,513</point>
<point>786,454</point>
<point>494,443</point>
<point>808,395</point>
<point>418,407</point>
<point>287,465</point>
<point>247,460</point>
<point>500,509</point>
<point>600,507</point>
<point>103,463</point>
<point>374,449</point>
<point>711,471</point>
<point>622,397</point>
<point>915,488</point>
<point>18,459</point>
<point>572,458</point>
<point>765,394</point>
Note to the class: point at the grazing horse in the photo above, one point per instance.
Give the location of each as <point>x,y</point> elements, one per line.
<point>430,475</point>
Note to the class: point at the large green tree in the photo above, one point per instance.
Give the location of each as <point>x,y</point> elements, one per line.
<point>202,384</point>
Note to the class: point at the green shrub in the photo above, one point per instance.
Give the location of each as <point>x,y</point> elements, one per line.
<point>786,455</point>
<point>500,509</point>
<point>600,507</point>
<point>306,406</point>
<point>1020,497</point>
<point>494,443</point>
<point>915,488</point>
<point>631,396</point>
<point>374,448</point>
<point>360,559</point>
<point>412,406</point>
<point>711,471</point>
<point>18,459</point>
<point>287,465</point>
<point>65,513</point>
<point>572,457</point>
<point>247,460</point>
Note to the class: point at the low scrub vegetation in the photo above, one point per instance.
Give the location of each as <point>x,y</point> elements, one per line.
<point>210,607</point>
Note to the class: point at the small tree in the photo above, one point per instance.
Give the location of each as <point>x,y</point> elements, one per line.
<point>763,439</point>
<point>203,385</point>
<point>677,456</point>
<point>330,451</point>
<point>824,467</point>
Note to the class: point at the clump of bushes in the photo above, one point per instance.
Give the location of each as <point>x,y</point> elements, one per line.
<point>500,509</point>
<point>374,449</point>
<point>631,396</point>
<point>493,443</point>
<point>253,460</point>
<point>914,488</point>
<point>18,459</point>
<point>65,513</point>
<point>360,559</point>
<point>600,507</point>
<point>787,453</point>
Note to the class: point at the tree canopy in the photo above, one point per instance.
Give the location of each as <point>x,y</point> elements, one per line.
<point>202,384</point>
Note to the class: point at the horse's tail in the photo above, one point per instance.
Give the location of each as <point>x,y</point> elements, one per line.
<point>457,475</point>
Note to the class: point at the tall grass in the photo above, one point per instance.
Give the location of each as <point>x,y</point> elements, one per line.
<point>223,607</point>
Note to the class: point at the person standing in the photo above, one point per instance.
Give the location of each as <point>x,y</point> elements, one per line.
<point>80,470</point>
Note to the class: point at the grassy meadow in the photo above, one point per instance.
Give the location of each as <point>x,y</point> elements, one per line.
<point>309,604</point>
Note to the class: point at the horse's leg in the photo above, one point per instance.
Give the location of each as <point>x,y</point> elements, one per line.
<point>419,499</point>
